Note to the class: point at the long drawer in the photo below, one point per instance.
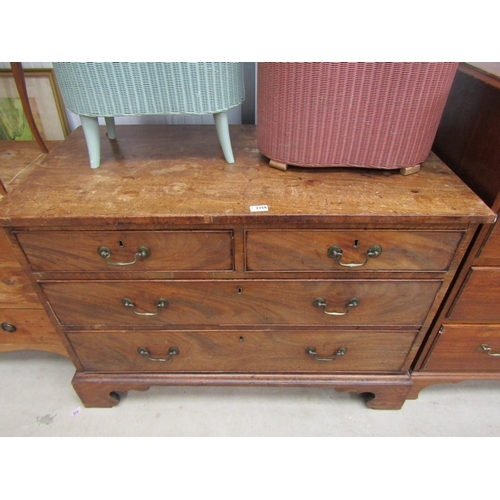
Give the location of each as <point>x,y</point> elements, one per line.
<point>477,301</point>
<point>350,250</point>
<point>115,251</point>
<point>231,302</point>
<point>471,348</point>
<point>243,351</point>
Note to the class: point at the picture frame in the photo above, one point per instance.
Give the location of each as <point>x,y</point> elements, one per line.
<point>45,101</point>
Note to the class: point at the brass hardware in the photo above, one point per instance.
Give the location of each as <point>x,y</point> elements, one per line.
<point>312,352</point>
<point>173,351</point>
<point>335,252</point>
<point>354,302</point>
<point>105,253</point>
<point>160,303</point>
<point>9,327</point>
<point>486,348</point>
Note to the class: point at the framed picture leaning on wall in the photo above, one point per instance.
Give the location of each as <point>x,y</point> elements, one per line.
<point>45,102</point>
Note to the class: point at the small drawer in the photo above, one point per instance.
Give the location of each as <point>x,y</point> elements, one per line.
<point>477,301</point>
<point>114,251</point>
<point>472,348</point>
<point>16,290</point>
<point>491,250</point>
<point>26,326</point>
<point>242,351</point>
<point>231,302</point>
<point>350,250</point>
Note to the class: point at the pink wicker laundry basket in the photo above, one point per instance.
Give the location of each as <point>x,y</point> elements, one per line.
<point>373,115</point>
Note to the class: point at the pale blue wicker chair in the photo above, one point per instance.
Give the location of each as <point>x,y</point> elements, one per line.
<point>111,89</point>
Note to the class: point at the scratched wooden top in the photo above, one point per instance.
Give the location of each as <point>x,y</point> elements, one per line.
<point>177,175</point>
<point>17,156</point>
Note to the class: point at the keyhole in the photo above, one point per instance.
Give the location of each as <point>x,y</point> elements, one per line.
<point>240,290</point>
<point>241,339</point>
<point>356,242</point>
<point>120,244</point>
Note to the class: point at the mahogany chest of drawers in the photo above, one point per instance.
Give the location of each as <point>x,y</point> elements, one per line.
<point>168,266</point>
<point>464,341</point>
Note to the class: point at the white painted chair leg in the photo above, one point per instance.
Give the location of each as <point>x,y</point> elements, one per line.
<point>110,127</point>
<point>90,125</point>
<point>222,127</point>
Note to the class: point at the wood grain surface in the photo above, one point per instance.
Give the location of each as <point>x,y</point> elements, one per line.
<point>255,302</point>
<point>242,351</point>
<point>308,250</point>
<point>477,301</point>
<point>456,350</point>
<point>170,250</point>
<point>175,174</point>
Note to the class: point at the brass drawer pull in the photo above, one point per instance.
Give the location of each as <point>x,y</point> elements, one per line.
<point>105,253</point>
<point>486,348</point>
<point>173,351</point>
<point>160,303</point>
<point>354,302</point>
<point>335,252</point>
<point>312,352</point>
<point>9,327</point>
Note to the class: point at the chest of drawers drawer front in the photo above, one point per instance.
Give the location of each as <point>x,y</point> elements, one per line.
<point>7,256</point>
<point>230,302</point>
<point>244,351</point>
<point>478,300</point>
<point>474,348</point>
<point>16,290</point>
<point>491,250</point>
<point>350,250</point>
<point>26,326</point>
<point>50,251</point>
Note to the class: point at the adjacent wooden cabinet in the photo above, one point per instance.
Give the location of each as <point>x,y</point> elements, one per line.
<point>157,268</point>
<point>464,341</point>
<point>24,323</point>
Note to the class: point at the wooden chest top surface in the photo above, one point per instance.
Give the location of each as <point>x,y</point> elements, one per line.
<point>177,174</point>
